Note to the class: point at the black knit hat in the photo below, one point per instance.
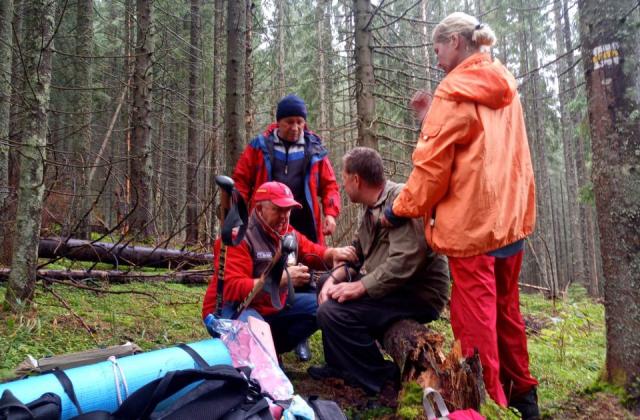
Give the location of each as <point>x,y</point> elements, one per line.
<point>291,106</point>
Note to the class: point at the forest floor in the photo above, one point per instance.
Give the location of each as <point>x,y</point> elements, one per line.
<point>566,344</point>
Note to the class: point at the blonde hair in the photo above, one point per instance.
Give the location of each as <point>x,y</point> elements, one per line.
<point>478,35</point>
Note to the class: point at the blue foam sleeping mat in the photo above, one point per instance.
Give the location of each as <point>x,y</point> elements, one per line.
<point>96,386</point>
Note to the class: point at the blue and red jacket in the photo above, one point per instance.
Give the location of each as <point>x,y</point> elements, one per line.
<point>255,167</point>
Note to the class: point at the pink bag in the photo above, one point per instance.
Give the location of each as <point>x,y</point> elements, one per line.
<point>468,414</point>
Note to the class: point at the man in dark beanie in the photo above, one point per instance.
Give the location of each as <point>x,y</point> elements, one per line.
<point>289,153</point>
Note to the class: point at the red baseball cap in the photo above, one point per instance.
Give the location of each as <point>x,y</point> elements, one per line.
<point>276,192</point>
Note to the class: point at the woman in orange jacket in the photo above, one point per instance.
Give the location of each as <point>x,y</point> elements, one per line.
<point>472,182</point>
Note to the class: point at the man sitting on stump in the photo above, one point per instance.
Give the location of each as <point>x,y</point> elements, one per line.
<point>246,262</point>
<point>398,277</point>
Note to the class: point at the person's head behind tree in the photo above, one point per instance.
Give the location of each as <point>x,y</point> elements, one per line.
<point>291,115</point>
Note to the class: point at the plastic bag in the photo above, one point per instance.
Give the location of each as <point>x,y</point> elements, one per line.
<point>247,350</point>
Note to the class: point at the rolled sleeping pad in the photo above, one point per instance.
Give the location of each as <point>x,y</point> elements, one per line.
<point>96,386</point>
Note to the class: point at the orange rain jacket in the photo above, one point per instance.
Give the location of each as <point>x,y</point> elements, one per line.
<point>472,179</point>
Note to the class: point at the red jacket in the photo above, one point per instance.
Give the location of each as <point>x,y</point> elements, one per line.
<point>254,168</point>
<point>239,271</point>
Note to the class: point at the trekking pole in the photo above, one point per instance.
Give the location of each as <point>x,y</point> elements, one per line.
<point>233,215</point>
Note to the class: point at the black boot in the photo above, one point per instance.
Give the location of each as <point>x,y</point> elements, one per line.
<point>303,351</point>
<point>527,404</point>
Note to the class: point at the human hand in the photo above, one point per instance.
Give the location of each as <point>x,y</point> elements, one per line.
<point>343,254</point>
<point>299,275</point>
<point>420,103</point>
<point>343,292</point>
<point>323,295</point>
<point>329,225</point>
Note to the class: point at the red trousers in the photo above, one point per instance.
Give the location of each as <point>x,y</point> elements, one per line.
<point>485,314</point>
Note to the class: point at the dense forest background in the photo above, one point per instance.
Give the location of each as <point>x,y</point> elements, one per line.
<point>116,115</point>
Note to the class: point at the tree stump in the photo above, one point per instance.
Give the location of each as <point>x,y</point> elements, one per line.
<point>418,352</point>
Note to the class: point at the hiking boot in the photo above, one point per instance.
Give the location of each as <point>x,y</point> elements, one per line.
<point>303,351</point>
<point>527,404</point>
<point>323,372</point>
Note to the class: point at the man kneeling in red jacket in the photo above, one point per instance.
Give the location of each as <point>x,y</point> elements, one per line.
<point>246,262</point>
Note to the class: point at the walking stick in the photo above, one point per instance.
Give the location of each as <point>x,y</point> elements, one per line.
<point>233,215</point>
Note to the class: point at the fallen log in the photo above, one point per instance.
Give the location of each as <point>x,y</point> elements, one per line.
<point>139,256</point>
<point>118,277</point>
<point>418,352</point>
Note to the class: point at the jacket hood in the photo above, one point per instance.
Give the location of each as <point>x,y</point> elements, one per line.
<point>478,79</point>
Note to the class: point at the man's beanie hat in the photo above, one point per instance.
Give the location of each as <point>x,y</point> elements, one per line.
<point>291,106</point>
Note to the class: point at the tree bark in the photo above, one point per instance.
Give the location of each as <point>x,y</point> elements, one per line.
<point>78,223</point>
<point>365,81</point>
<point>610,51</point>
<point>323,50</point>
<point>7,224</point>
<point>140,157</point>
<point>249,112</point>
<point>117,254</point>
<point>193,139</point>
<point>235,101</point>
<point>217,146</point>
<point>418,352</point>
<point>6,37</point>
<point>577,266</point>
<point>40,19</point>
<point>281,89</point>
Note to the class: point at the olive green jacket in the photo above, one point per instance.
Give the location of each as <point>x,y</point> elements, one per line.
<point>399,259</point>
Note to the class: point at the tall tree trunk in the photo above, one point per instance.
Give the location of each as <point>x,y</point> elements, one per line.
<point>568,140</point>
<point>539,266</point>
<point>588,228</point>
<point>8,212</point>
<point>6,16</point>
<point>281,88</point>
<point>249,111</point>
<point>193,137</point>
<point>234,101</point>
<point>217,147</point>
<point>321,12</point>
<point>610,40</point>
<point>140,158</point>
<point>78,223</point>
<point>40,18</point>
<point>365,80</point>
<point>123,147</point>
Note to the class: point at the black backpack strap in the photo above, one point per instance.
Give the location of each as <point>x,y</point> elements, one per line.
<point>194,355</point>
<point>68,387</point>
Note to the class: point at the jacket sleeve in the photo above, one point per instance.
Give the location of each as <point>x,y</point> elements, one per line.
<point>446,126</point>
<point>238,270</point>
<point>328,189</point>
<point>407,256</point>
<point>310,253</point>
<point>246,172</point>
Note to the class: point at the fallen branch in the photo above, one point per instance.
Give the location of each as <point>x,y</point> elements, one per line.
<point>118,277</point>
<point>64,303</point>
<point>76,249</point>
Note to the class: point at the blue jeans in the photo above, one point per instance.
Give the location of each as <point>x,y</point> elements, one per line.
<point>290,325</point>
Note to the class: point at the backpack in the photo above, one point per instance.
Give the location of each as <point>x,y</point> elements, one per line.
<point>217,392</point>
<point>47,407</point>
